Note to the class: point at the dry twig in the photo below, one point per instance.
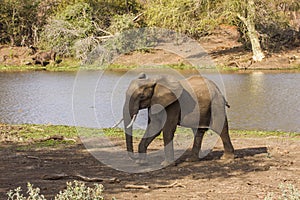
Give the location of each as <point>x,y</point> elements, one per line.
<point>147,187</point>
<point>79,177</point>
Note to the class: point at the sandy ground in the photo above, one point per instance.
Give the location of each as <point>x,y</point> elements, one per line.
<point>260,166</point>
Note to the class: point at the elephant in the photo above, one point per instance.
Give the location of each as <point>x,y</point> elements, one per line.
<point>44,58</point>
<point>195,102</point>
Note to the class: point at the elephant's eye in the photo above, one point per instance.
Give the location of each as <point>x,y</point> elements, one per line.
<point>142,96</point>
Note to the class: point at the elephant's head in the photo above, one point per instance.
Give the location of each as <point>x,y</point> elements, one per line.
<point>144,93</point>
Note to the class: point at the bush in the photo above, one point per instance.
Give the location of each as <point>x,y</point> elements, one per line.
<point>75,190</point>
<point>79,191</point>
<point>64,29</point>
<point>196,18</point>
<point>81,27</point>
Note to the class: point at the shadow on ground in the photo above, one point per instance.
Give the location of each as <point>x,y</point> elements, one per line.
<point>20,167</point>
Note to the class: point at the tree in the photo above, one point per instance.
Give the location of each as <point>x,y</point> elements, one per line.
<point>248,20</point>
<point>17,19</point>
<point>245,11</point>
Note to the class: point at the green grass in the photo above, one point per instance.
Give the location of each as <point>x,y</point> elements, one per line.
<point>74,65</point>
<point>20,68</point>
<point>35,136</point>
<point>258,133</point>
<point>67,64</point>
<point>28,136</point>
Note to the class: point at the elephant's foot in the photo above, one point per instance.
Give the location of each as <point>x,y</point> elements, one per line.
<point>227,156</point>
<point>193,159</point>
<point>166,163</point>
<point>193,156</point>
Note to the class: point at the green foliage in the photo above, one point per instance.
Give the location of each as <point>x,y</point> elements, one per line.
<point>22,20</point>
<point>270,20</point>
<point>78,28</point>
<point>74,28</point>
<point>18,18</point>
<point>121,43</point>
<point>79,191</point>
<point>62,31</point>
<point>33,194</point>
<point>122,23</point>
<point>186,16</point>
<point>75,190</point>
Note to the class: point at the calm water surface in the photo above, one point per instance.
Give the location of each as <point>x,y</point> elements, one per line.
<point>267,101</point>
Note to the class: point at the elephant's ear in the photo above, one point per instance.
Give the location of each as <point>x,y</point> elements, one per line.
<point>166,92</point>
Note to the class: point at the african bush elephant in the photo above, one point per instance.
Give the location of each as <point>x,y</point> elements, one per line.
<point>44,58</point>
<point>195,102</point>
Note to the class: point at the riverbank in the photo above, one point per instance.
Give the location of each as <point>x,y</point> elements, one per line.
<point>264,161</point>
<point>224,50</point>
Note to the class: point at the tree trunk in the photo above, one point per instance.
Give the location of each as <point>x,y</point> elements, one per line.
<point>258,54</point>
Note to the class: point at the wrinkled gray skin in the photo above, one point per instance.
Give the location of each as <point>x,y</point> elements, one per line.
<point>195,102</point>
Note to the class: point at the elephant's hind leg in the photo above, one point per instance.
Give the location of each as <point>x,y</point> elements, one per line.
<point>228,148</point>
<point>198,136</point>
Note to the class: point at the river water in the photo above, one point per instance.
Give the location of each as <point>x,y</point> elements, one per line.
<point>258,100</point>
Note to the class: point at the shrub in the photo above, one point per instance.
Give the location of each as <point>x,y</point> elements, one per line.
<point>64,29</point>
<point>75,190</point>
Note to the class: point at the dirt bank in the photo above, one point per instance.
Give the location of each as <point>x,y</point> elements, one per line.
<point>223,47</point>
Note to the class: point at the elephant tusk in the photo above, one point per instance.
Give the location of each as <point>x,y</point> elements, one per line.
<point>132,121</point>
<point>117,124</point>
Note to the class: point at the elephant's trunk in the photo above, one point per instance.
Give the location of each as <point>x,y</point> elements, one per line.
<point>129,119</point>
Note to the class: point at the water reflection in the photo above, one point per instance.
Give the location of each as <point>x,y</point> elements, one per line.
<point>268,101</point>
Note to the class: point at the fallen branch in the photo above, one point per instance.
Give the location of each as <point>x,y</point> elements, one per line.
<point>236,64</point>
<point>147,187</point>
<point>96,179</point>
<point>79,177</point>
<point>54,137</point>
<point>33,157</point>
<point>175,184</point>
<point>247,65</point>
<point>136,18</point>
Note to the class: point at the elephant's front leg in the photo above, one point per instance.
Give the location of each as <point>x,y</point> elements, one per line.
<point>169,128</point>
<point>152,131</point>
<point>168,135</point>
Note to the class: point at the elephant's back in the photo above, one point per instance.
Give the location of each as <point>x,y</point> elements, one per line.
<point>199,114</point>
<point>199,87</point>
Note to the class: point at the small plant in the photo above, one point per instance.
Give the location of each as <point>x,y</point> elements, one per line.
<point>75,190</point>
<point>288,192</point>
<point>33,193</point>
<point>79,191</point>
